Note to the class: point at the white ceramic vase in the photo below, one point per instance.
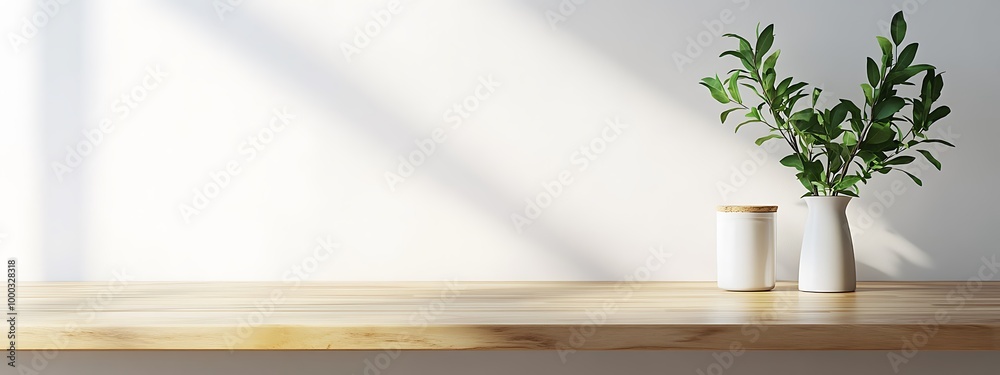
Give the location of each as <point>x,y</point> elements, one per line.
<point>826,264</point>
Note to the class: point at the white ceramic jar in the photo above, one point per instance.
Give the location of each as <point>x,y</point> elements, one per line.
<point>746,239</point>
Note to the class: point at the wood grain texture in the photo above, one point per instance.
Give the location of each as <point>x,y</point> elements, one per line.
<point>751,209</point>
<point>503,315</point>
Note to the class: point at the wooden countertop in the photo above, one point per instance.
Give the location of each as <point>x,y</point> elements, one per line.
<point>503,315</point>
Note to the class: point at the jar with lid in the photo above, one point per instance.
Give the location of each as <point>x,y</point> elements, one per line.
<point>746,238</point>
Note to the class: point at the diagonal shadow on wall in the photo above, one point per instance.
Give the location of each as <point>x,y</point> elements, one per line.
<point>266,45</point>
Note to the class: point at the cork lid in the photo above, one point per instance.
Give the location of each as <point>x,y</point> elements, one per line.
<point>748,208</point>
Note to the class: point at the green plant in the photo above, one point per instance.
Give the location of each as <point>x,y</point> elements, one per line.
<point>835,149</point>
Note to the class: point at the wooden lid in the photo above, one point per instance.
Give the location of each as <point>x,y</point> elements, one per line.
<point>748,208</point>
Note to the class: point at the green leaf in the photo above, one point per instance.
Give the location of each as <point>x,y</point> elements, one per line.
<point>725,114</point>
<point>802,120</point>
<point>873,72</point>
<point>742,39</point>
<point>912,177</point>
<point>796,87</point>
<point>852,108</point>
<point>744,123</point>
<point>838,114</point>
<point>715,87</point>
<point>748,63</point>
<point>847,182</point>
<point>887,108</point>
<point>792,161</point>
<point>886,45</point>
<point>850,139</point>
<point>813,169</point>
<point>938,84</point>
<point>869,96</point>
<point>867,156</point>
<point>795,99</point>
<point>764,42</point>
<point>815,95</point>
<point>747,52</point>
<point>926,87</point>
<point>848,193</point>
<point>783,86</point>
<point>898,28</point>
<point>835,156</point>
<point>734,91</point>
<point>735,54</point>
<point>857,125</point>
<point>903,75</point>
<point>930,158</point>
<point>766,138</point>
<point>805,183</point>
<point>938,114</point>
<point>803,125</point>
<point>900,160</point>
<point>879,133</point>
<point>769,78</point>
<point>906,56</point>
<point>944,142</point>
<point>771,60</point>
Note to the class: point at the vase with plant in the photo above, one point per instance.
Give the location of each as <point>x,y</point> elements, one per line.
<point>835,149</point>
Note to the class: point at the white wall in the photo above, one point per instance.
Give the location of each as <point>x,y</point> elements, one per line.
<point>323,175</point>
<point>322,178</point>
